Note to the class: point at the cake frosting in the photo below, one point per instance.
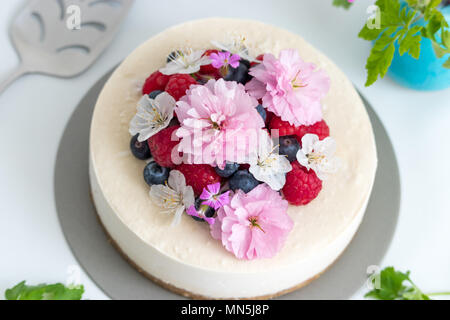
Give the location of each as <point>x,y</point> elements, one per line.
<point>185,256</point>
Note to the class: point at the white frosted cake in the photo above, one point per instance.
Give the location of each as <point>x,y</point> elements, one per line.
<point>308,209</point>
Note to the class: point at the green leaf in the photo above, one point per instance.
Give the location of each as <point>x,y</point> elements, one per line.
<point>396,285</point>
<point>379,61</point>
<point>342,3</point>
<point>414,293</point>
<point>410,43</point>
<point>391,285</point>
<point>446,38</point>
<point>412,3</point>
<point>447,63</point>
<point>369,34</point>
<point>397,26</point>
<point>44,292</point>
<point>438,50</point>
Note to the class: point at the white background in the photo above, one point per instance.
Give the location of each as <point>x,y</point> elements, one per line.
<point>34,112</point>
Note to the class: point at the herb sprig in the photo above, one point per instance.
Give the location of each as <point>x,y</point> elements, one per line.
<point>398,28</point>
<point>396,285</point>
<point>56,291</point>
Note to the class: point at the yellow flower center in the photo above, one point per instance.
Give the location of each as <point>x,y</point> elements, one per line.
<point>315,158</point>
<point>254,223</point>
<point>297,83</point>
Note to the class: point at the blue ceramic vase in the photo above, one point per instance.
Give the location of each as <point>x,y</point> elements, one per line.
<point>425,73</point>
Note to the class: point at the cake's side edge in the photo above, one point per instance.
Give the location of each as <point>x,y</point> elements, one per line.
<point>152,263</point>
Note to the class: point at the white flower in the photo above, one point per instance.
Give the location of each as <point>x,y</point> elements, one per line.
<point>318,155</point>
<point>236,46</point>
<point>269,166</point>
<point>185,61</point>
<point>152,115</point>
<point>174,197</point>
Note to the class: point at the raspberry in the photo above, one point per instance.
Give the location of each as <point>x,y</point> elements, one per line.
<point>209,69</point>
<point>285,129</point>
<point>179,84</point>
<point>319,128</point>
<point>199,176</point>
<point>270,116</point>
<point>302,186</point>
<point>156,81</point>
<point>162,146</point>
<point>259,58</point>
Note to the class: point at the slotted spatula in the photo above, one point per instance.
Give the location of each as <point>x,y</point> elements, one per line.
<point>63,37</point>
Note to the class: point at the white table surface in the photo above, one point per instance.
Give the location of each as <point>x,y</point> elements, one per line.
<point>34,112</point>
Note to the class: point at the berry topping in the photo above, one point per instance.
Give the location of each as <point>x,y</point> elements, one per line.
<point>283,127</point>
<point>228,171</point>
<point>156,81</point>
<point>154,94</point>
<point>262,112</point>
<point>140,149</point>
<point>155,174</point>
<point>204,210</point>
<point>302,186</point>
<point>179,84</point>
<point>320,129</point>
<point>199,176</point>
<point>244,181</point>
<point>209,69</point>
<point>162,146</point>
<point>244,166</point>
<point>289,147</point>
<point>259,58</point>
<point>270,116</point>
<point>239,74</point>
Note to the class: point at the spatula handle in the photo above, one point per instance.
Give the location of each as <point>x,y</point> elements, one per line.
<point>13,76</point>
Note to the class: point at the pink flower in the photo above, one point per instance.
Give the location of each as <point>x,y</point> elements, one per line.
<point>213,198</point>
<point>216,120</point>
<point>290,87</point>
<point>224,59</point>
<point>255,225</point>
<point>199,214</point>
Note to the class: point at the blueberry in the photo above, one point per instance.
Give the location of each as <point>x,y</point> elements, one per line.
<point>154,94</point>
<point>243,180</point>
<point>155,174</point>
<point>289,147</point>
<point>246,62</point>
<point>228,171</point>
<point>208,211</point>
<point>140,150</point>
<point>262,112</point>
<point>239,74</point>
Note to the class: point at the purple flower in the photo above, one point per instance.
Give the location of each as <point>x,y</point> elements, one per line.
<point>213,198</point>
<point>224,59</point>
<point>199,214</point>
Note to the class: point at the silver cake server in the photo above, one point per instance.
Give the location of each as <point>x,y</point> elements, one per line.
<point>63,37</point>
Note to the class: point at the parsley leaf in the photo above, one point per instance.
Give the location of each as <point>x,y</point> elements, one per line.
<point>396,27</point>
<point>443,48</point>
<point>342,3</point>
<point>44,292</point>
<point>447,63</point>
<point>396,285</point>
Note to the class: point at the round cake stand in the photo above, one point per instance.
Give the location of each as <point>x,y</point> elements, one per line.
<point>119,280</point>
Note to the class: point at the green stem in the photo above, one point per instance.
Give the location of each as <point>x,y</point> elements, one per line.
<point>438,294</point>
